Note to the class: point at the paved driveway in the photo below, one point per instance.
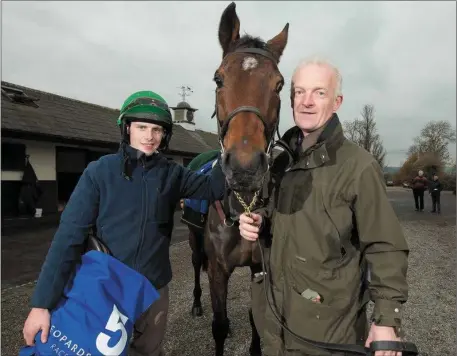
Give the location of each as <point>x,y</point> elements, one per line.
<point>430,318</point>
<point>403,203</point>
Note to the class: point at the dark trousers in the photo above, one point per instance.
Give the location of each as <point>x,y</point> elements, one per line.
<point>436,202</point>
<point>419,198</point>
<point>149,329</point>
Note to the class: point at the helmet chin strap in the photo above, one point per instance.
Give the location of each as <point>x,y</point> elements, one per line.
<point>125,135</point>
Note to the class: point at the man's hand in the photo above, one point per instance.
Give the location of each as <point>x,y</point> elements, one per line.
<point>382,333</point>
<point>250,226</point>
<point>38,319</point>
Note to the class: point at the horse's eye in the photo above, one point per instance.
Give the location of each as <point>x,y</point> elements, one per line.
<point>218,80</point>
<point>279,86</point>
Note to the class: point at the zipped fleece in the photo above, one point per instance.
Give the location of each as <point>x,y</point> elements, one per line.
<point>134,218</point>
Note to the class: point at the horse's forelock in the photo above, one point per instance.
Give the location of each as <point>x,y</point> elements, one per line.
<point>248,41</point>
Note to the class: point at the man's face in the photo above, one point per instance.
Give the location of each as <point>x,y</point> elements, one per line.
<point>145,137</point>
<point>314,99</point>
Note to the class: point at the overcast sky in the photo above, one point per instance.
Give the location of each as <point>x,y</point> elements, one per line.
<point>400,57</point>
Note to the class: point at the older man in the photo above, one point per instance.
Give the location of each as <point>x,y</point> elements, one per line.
<point>419,186</point>
<point>330,220</point>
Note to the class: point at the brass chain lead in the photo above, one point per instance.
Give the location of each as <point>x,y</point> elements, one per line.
<point>247,209</point>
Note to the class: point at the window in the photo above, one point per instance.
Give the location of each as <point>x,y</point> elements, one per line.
<point>17,96</point>
<point>13,156</point>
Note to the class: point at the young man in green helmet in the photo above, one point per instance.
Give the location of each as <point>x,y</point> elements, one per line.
<point>130,198</point>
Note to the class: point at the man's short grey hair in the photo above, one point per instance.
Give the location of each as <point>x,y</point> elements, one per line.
<point>319,61</point>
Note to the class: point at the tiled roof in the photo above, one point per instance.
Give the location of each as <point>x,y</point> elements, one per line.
<point>67,118</point>
<point>210,138</point>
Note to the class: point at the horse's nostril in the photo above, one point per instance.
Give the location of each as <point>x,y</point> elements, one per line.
<point>261,160</point>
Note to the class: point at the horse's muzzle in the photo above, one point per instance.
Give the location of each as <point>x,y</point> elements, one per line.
<point>245,174</point>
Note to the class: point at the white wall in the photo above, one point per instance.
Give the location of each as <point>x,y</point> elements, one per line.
<point>187,125</point>
<point>42,156</point>
<point>43,159</point>
<point>10,175</point>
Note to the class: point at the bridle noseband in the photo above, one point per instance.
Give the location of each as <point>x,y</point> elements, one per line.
<point>222,128</point>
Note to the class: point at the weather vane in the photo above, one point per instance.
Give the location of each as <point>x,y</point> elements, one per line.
<point>185,91</point>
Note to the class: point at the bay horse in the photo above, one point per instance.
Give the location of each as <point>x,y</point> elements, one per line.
<point>247,111</point>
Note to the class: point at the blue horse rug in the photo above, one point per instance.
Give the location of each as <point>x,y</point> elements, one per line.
<point>98,311</point>
<point>200,206</point>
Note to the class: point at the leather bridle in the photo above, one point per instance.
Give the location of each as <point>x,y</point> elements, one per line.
<point>224,124</point>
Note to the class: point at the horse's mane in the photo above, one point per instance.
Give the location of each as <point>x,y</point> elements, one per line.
<point>248,41</point>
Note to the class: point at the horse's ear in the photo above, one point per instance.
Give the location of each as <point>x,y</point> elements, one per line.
<point>279,42</point>
<point>229,28</point>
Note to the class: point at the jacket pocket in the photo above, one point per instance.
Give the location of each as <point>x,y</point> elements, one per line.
<point>331,320</point>
<point>339,216</point>
<point>337,286</point>
<point>304,314</point>
<point>316,322</point>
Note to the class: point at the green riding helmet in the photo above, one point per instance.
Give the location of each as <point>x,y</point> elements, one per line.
<point>147,106</point>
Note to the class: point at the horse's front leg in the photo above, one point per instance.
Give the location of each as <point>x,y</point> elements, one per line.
<point>218,283</point>
<point>196,244</point>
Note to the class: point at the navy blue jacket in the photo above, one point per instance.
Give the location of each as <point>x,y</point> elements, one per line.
<point>435,187</point>
<point>134,218</point>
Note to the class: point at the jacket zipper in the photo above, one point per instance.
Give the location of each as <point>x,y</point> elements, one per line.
<point>144,215</point>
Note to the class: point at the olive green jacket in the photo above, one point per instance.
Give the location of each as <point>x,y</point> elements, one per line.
<point>329,215</point>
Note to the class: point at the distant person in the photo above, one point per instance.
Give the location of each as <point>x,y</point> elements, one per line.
<point>419,186</point>
<point>131,197</point>
<point>435,188</point>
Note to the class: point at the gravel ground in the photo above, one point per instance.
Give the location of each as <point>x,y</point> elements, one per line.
<point>183,330</point>
<point>430,314</point>
<point>429,317</point>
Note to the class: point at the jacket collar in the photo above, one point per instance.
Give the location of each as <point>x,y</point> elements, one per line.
<point>137,157</point>
<point>317,154</point>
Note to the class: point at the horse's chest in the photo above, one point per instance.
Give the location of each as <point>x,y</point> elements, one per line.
<point>243,253</point>
<point>229,248</point>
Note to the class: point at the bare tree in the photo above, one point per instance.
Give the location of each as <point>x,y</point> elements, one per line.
<point>352,131</point>
<point>363,132</point>
<point>434,138</point>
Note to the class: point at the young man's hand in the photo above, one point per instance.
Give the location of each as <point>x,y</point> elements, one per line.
<point>250,226</point>
<point>38,319</point>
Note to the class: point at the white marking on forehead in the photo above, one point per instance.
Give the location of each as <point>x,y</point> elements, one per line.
<point>249,63</point>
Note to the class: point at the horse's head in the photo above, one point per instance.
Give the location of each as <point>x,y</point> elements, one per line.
<point>247,101</point>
